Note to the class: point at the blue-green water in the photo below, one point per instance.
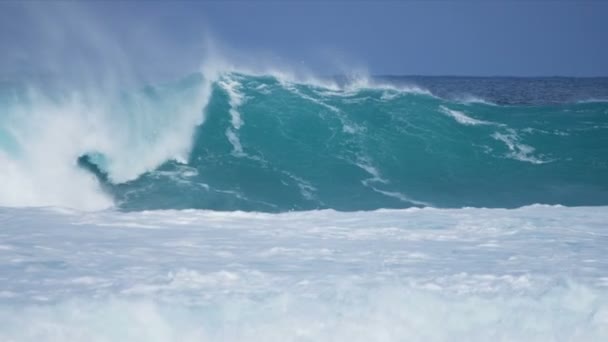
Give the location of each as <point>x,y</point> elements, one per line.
<point>267,144</point>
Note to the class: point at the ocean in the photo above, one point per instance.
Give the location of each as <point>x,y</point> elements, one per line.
<point>241,206</point>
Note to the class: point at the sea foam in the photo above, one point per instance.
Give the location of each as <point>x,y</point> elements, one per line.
<point>536,273</point>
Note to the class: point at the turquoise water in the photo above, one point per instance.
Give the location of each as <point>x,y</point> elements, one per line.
<point>267,144</point>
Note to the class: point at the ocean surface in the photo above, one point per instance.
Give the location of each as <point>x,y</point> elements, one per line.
<point>242,206</point>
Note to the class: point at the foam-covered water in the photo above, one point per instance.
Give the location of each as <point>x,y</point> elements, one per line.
<point>268,142</point>
<point>537,273</point>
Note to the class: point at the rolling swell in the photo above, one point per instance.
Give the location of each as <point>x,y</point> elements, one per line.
<point>267,144</point>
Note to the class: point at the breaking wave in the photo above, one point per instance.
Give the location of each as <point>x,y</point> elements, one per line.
<point>270,142</point>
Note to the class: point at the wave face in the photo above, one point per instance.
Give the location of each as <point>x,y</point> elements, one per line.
<point>263,143</point>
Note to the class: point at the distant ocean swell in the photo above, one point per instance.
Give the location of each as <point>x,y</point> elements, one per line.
<point>266,143</point>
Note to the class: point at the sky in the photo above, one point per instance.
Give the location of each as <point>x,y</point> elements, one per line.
<point>476,38</point>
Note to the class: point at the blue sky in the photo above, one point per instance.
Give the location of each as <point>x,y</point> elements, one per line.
<point>516,38</point>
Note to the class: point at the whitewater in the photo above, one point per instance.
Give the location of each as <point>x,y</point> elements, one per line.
<point>233,205</point>
<point>537,273</point>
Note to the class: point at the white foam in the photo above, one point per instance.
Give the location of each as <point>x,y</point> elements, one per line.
<point>135,134</point>
<point>391,314</point>
<point>366,165</point>
<point>348,126</point>
<point>307,190</point>
<point>233,138</point>
<point>293,88</point>
<point>401,196</point>
<point>230,84</point>
<point>223,61</point>
<point>365,82</point>
<point>468,99</point>
<point>534,273</point>
<point>462,118</point>
<point>517,150</point>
